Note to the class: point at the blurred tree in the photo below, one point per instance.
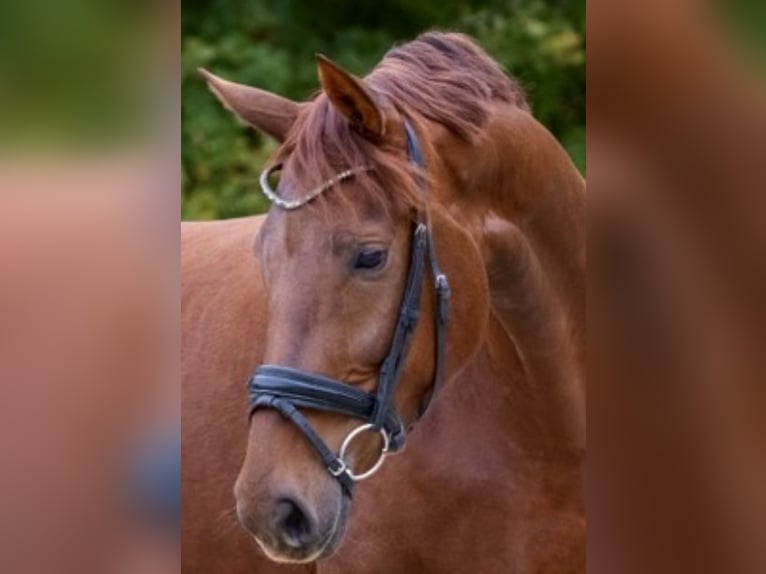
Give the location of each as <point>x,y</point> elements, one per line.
<point>271,45</point>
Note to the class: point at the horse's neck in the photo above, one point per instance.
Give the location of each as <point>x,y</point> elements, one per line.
<point>526,203</point>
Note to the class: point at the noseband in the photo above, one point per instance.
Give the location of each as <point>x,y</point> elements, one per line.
<point>288,390</point>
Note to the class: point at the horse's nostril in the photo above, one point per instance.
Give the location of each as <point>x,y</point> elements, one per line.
<point>293,524</point>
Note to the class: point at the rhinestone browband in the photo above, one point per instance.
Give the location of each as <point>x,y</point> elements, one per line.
<point>276,199</point>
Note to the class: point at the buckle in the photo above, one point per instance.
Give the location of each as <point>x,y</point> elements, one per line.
<point>442,285</point>
<point>409,318</point>
<point>341,467</point>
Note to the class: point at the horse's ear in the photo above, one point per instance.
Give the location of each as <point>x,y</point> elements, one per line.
<point>349,96</point>
<point>263,110</point>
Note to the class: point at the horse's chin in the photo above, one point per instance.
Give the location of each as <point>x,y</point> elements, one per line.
<point>324,550</point>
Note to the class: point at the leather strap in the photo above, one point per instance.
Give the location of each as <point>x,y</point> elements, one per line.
<point>329,458</point>
<point>441,319</point>
<point>310,390</point>
<point>414,150</point>
<point>409,314</point>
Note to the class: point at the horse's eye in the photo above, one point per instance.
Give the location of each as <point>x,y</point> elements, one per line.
<point>370,259</point>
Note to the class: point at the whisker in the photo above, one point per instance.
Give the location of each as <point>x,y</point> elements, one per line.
<point>227,522</point>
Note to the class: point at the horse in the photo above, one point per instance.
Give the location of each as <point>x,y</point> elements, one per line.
<point>438,138</point>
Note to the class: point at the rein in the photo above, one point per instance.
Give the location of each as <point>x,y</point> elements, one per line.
<point>288,390</point>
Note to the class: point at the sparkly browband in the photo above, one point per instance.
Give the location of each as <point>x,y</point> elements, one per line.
<point>275,198</point>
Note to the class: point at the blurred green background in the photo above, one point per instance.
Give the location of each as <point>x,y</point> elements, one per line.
<point>271,44</point>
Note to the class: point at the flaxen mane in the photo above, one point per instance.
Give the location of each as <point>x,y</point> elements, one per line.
<point>444,77</point>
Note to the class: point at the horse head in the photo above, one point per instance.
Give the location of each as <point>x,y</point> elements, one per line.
<point>338,251</point>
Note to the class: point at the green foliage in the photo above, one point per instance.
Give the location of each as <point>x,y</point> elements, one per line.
<point>73,75</point>
<point>272,44</point>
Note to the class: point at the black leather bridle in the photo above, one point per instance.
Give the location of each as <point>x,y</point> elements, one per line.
<point>288,390</point>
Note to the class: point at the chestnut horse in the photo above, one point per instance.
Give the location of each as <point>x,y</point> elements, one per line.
<point>492,479</point>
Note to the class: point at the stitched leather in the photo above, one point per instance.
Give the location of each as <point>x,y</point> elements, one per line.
<point>409,314</point>
<point>309,390</point>
<point>330,460</point>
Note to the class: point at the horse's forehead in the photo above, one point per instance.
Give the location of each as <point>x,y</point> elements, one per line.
<point>288,232</point>
<point>342,212</point>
